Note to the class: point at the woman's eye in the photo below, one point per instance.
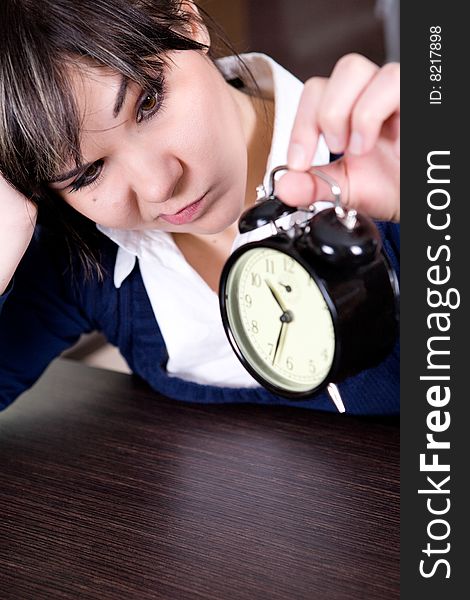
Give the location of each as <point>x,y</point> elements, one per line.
<point>88,177</point>
<point>92,171</point>
<point>148,106</point>
<point>149,103</point>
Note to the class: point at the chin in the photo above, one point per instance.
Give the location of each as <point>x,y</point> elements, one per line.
<point>226,221</point>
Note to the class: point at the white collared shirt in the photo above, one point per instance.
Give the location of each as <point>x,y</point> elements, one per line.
<point>186,308</point>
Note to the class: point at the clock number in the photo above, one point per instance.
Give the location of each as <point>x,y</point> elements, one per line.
<point>269,265</point>
<point>271,348</point>
<point>254,327</point>
<point>256,279</point>
<point>289,363</point>
<point>311,366</point>
<point>289,265</point>
<point>248,300</point>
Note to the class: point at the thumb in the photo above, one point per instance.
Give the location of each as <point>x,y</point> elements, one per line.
<point>302,188</point>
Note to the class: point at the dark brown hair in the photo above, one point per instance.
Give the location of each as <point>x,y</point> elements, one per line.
<point>39,120</point>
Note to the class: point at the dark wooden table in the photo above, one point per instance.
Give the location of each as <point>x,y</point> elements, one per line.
<point>109,491</point>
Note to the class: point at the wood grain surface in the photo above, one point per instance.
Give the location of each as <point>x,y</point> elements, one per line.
<point>109,491</point>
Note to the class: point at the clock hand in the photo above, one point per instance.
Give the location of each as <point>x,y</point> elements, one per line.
<point>278,341</point>
<point>287,287</point>
<point>276,296</point>
<point>286,318</point>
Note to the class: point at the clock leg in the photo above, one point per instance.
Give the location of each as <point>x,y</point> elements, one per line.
<point>333,391</point>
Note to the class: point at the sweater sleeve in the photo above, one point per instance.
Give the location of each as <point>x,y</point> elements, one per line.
<point>39,318</point>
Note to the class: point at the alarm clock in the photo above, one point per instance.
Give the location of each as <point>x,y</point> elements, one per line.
<point>314,302</point>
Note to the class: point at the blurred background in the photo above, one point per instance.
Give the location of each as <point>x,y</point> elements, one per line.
<point>307,37</point>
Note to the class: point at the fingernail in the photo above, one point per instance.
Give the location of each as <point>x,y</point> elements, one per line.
<point>296,158</point>
<point>355,143</point>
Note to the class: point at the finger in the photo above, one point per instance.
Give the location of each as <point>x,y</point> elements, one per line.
<point>377,103</point>
<point>391,131</point>
<point>305,132</point>
<point>396,128</point>
<point>303,188</point>
<point>296,188</point>
<point>350,77</point>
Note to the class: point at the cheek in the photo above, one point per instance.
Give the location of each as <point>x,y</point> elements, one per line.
<point>227,142</point>
<point>211,131</point>
<point>108,214</point>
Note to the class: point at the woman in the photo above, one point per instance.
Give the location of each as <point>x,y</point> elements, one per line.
<point>130,154</point>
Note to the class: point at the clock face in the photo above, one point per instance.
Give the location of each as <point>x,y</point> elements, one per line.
<point>280,320</point>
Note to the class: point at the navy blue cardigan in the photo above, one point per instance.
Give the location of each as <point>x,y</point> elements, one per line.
<point>47,308</point>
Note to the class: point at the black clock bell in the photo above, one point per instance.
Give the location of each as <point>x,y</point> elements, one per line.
<point>312,303</point>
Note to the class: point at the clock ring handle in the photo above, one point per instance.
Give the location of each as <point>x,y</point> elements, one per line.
<point>347,216</point>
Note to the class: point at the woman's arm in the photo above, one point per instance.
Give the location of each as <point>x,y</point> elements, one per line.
<point>39,318</point>
<point>17,222</point>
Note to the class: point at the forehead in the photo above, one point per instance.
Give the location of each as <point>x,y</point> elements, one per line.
<point>96,91</point>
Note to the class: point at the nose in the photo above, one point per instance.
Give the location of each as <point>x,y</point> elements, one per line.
<point>152,178</point>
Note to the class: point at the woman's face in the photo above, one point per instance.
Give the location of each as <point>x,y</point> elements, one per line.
<point>158,156</point>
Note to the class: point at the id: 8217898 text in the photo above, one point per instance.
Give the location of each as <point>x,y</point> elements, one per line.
<point>435,64</point>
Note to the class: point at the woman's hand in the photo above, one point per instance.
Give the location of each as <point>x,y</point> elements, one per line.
<point>17,221</point>
<point>358,111</point>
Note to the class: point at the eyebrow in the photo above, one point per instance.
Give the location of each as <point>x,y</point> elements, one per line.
<point>120,99</point>
<point>121,96</point>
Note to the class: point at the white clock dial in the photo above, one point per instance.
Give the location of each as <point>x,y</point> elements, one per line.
<point>280,320</point>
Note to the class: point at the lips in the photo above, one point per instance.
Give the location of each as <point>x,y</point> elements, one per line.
<point>185,215</point>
